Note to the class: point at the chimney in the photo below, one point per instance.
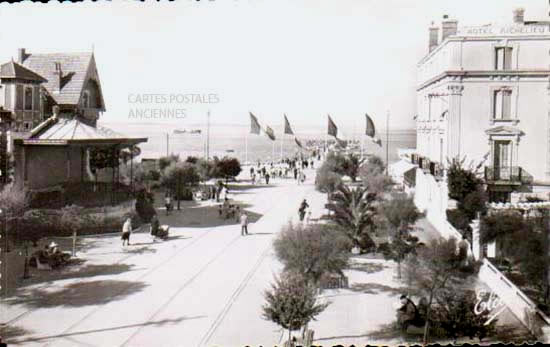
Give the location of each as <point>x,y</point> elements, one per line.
<point>434,37</point>
<point>518,15</point>
<point>448,27</point>
<point>21,55</point>
<point>58,75</point>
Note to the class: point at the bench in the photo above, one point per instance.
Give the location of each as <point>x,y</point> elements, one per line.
<point>40,265</point>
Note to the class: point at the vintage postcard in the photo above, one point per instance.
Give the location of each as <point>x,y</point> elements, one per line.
<point>274,173</point>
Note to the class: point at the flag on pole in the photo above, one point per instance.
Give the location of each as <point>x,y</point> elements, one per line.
<point>332,129</point>
<point>370,130</point>
<point>298,143</point>
<point>270,133</point>
<point>288,129</point>
<point>254,124</point>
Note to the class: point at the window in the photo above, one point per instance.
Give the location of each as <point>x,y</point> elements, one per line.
<point>503,58</point>
<point>86,99</point>
<point>27,126</point>
<point>28,98</point>
<point>502,104</point>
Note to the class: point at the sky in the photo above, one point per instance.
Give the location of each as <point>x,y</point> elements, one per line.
<point>302,58</point>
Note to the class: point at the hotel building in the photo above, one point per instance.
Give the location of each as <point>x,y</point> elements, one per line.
<point>484,95</point>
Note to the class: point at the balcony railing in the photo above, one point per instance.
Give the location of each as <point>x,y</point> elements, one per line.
<point>506,174</point>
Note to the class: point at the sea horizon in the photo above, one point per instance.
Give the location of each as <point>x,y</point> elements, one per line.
<point>234,140</point>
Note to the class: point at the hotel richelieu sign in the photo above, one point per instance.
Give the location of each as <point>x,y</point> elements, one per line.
<point>506,30</point>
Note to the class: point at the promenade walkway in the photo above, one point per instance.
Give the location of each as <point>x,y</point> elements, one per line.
<point>203,287</point>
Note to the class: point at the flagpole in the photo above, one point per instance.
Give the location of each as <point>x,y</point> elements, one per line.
<point>246,148</point>
<point>326,137</point>
<point>387,143</point>
<point>282,139</point>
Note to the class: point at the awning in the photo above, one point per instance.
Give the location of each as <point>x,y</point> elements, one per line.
<point>410,177</point>
<point>399,168</point>
<point>62,132</point>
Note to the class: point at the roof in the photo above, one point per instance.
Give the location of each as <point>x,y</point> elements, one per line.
<point>74,67</point>
<point>14,70</point>
<point>61,131</point>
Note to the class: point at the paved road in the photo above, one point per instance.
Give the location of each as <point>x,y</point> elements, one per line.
<point>202,290</point>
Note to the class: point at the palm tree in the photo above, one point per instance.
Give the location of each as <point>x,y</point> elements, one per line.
<point>354,210</point>
<point>351,166</point>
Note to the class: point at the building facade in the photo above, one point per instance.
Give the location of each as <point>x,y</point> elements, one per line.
<point>33,84</point>
<point>484,96</point>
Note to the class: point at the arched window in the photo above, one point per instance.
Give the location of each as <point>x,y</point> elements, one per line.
<point>28,98</point>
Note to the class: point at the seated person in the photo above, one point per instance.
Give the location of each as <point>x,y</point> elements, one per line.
<point>407,313</point>
<point>155,226</point>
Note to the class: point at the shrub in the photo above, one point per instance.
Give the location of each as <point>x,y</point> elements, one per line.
<point>459,220</point>
<point>228,167</point>
<point>454,316</point>
<point>461,181</point>
<point>291,302</point>
<point>312,250</point>
<point>185,194</point>
<point>326,180</point>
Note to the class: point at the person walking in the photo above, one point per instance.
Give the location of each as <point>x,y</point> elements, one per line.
<point>168,203</point>
<point>126,231</point>
<point>302,210</point>
<point>225,193</point>
<point>267,178</point>
<point>244,223</point>
<point>295,173</point>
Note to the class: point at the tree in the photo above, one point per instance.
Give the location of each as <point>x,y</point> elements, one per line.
<point>455,316</point>
<point>13,202</point>
<point>378,184</point>
<point>206,169</point>
<point>326,180</point>
<point>178,177</point>
<point>312,250</point>
<point>373,166</point>
<point>165,162</point>
<point>292,302</point>
<point>436,268</point>
<point>192,160</point>
<point>70,222</point>
<point>353,210</point>
<point>400,214</point>
<point>351,166</point>
<point>229,167</point>
<point>373,177</point>
<point>461,181</point>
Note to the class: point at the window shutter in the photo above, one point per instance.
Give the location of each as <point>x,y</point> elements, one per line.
<point>19,97</point>
<point>507,58</point>
<point>36,102</point>
<point>506,104</point>
<point>499,57</point>
<point>497,104</point>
